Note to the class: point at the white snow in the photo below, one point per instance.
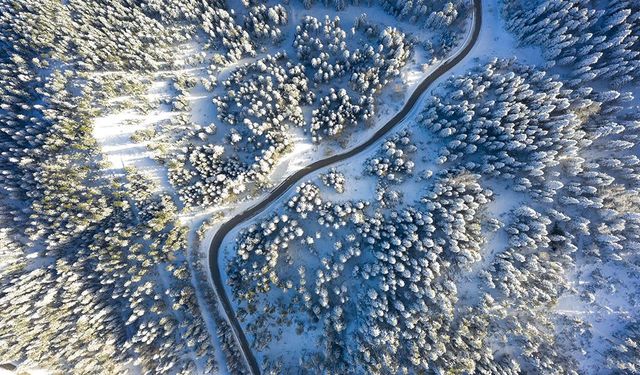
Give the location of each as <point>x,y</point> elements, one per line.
<point>113,133</point>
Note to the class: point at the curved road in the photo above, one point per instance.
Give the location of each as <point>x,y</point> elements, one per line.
<point>216,242</point>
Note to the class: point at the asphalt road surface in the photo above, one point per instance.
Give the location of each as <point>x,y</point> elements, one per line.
<point>216,242</point>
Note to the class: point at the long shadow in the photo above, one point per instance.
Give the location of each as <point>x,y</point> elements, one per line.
<point>216,242</point>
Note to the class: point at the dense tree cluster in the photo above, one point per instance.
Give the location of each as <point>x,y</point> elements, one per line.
<point>334,179</point>
<point>220,24</point>
<point>523,125</point>
<point>596,41</point>
<point>263,21</point>
<point>436,15</point>
<point>323,47</point>
<point>412,296</point>
<point>567,174</point>
<point>394,160</point>
<point>211,178</point>
<point>96,35</point>
<point>518,122</point>
<point>338,111</point>
<point>212,18</point>
<point>373,69</point>
<point>430,14</point>
<point>531,270</point>
<point>446,19</point>
<point>265,95</point>
<point>167,315</point>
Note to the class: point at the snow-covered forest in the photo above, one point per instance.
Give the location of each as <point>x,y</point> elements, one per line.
<point>126,125</point>
<point>495,230</point>
<point>496,234</point>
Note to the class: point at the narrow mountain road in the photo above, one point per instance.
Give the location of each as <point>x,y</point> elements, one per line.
<point>216,242</point>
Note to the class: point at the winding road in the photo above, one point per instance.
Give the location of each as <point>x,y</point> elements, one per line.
<point>216,242</point>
